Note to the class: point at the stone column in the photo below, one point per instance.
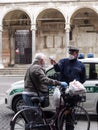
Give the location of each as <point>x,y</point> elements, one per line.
<point>33,28</point>
<point>12,51</point>
<point>67,29</point>
<point>1,64</point>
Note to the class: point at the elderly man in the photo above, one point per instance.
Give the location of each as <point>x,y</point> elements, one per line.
<point>36,82</point>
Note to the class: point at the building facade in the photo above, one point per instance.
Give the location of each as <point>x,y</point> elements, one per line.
<point>48,26</point>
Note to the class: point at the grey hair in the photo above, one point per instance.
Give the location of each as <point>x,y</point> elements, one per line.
<point>38,57</point>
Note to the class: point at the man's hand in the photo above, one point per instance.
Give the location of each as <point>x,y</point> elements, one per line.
<point>52,61</point>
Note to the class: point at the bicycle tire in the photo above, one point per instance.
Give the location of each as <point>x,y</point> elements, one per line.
<point>27,119</point>
<point>80,119</point>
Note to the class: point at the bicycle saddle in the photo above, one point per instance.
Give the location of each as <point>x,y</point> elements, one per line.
<point>37,99</point>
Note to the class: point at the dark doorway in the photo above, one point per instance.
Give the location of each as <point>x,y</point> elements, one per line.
<point>23,47</point>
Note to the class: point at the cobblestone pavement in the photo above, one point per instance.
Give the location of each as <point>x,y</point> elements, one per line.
<point>5,117</point>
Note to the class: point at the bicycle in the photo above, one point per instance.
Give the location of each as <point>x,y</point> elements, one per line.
<point>35,118</point>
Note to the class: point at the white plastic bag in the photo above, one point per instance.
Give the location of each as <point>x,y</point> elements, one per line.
<point>56,97</point>
<point>75,87</point>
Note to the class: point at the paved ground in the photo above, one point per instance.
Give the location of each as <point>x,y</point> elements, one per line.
<point>6,115</point>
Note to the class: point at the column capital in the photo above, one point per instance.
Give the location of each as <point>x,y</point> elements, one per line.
<point>33,26</point>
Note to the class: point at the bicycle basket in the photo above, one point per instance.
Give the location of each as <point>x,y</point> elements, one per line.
<point>74,99</point>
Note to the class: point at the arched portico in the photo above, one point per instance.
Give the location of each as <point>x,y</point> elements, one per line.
<point>17,39</point>
<point>84,28</point>
<point>51,29</point>
<point>51,32</point>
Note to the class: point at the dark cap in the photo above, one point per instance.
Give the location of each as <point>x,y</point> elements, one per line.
<point>73,49</point>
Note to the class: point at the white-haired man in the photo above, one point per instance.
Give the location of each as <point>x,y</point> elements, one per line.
<point>36,82</point>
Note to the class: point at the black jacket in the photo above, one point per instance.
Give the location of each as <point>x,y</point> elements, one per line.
<point>70,70</point>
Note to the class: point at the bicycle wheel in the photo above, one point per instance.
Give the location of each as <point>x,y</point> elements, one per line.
<point>78,119</point>
<point>28,119</point>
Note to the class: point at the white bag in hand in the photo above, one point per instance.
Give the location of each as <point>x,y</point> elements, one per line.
<point>75,87</point>
<point>56,97</point>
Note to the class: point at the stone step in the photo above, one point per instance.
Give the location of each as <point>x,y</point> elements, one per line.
<point>12,72</point>
<point>15,70</point>
<point>21,65</point>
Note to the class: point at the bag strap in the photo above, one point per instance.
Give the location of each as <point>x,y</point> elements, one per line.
<point>33,83</point>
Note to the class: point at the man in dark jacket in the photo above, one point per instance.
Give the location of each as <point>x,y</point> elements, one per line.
<point>36,82</point>
<point>71,68</point>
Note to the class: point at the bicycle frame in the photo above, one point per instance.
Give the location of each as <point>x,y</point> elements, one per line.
<point>51,123</point>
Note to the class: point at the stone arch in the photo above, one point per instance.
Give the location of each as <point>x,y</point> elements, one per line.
<point>49,8</point>
<point>16,24</point>
<point>50,31</point>
<point>75,11</point>
<point>84,23</point>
